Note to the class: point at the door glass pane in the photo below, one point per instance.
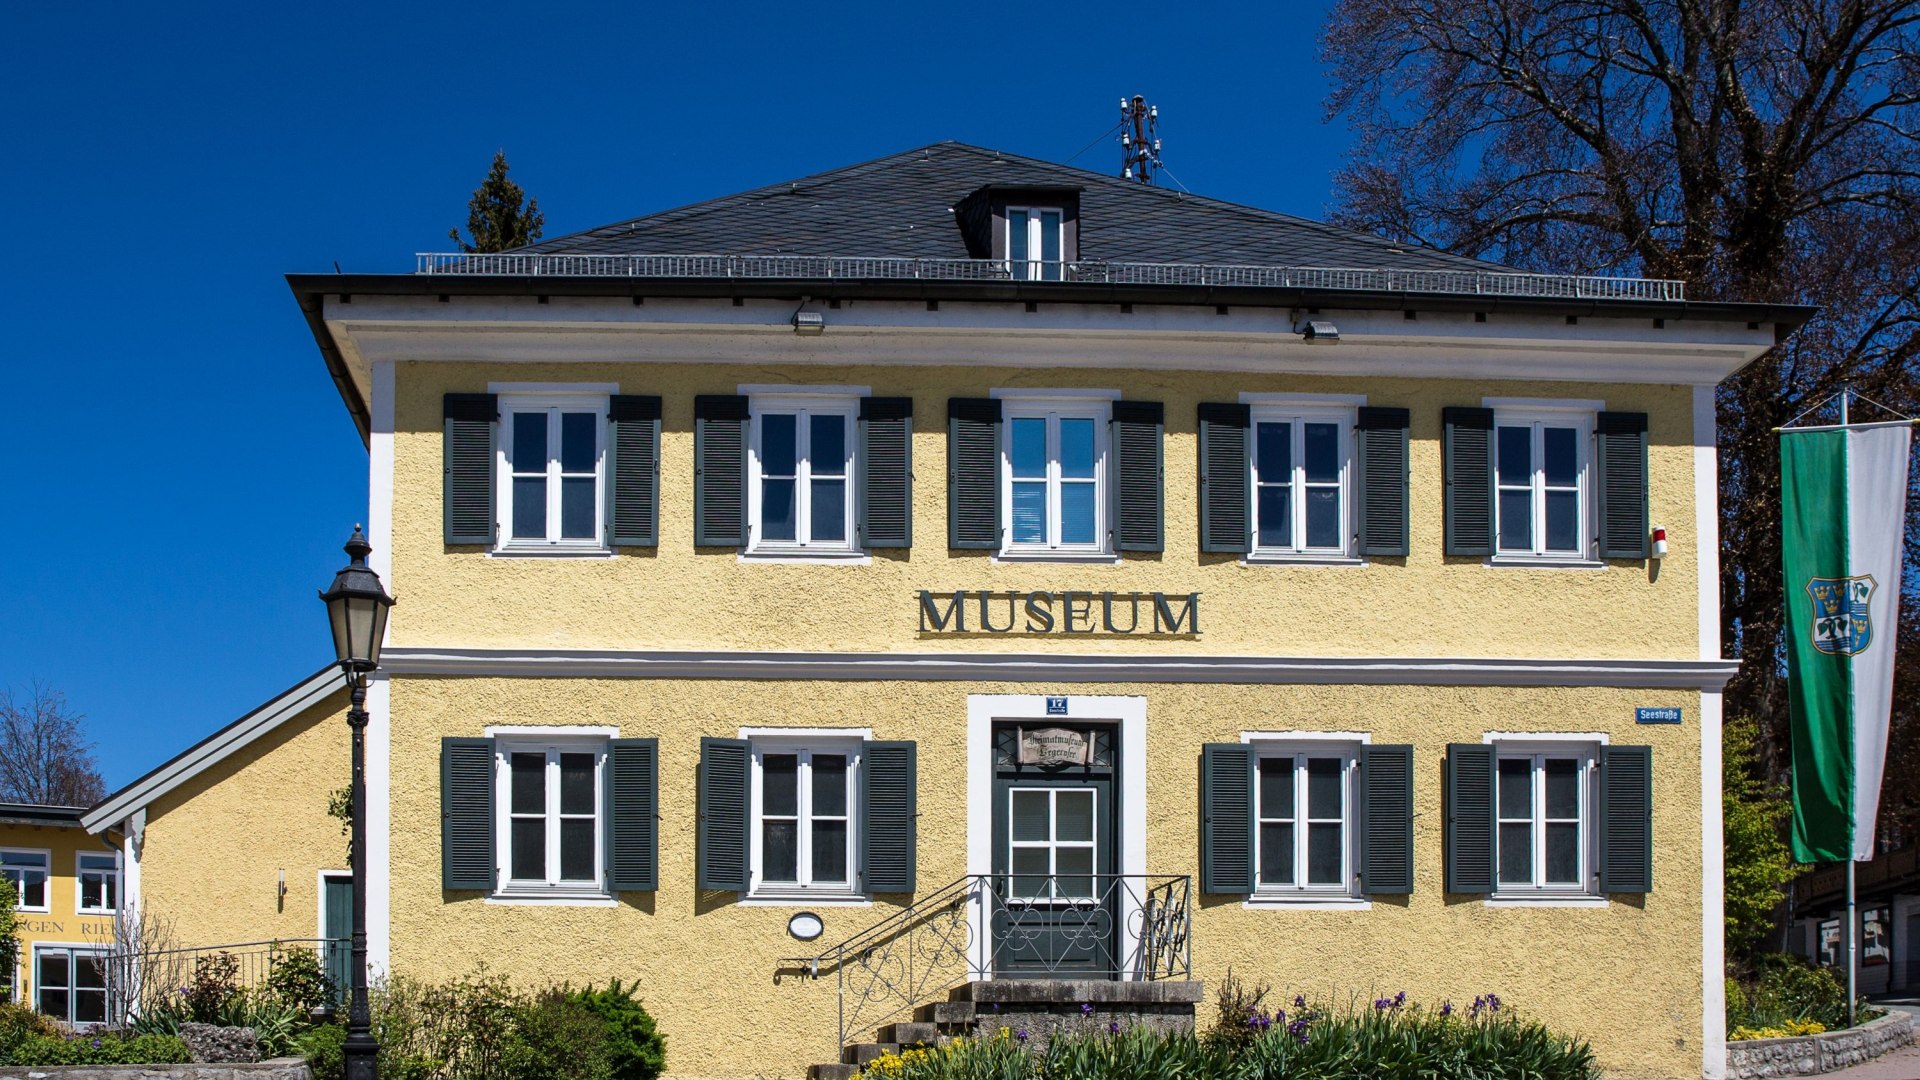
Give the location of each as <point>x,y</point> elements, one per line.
<point>778,447</point>
<point>1323,854</point>
<point>1273,453</point>
<point>829,852</point>
<point>53,1002</point>
<point>1516,788</point>
<point>576,783</point>
<point>55,970</point>
<point>1562,456</point>
<point>530,442</point>
<point>1076,448</point>
<point>1017,240</point>
<point>1323,517</point>
<point>1027,446</point>
<point>829,522</point>
<point>1276,516</point>
<point>1563,520</point>
<point>778,513</point>
<point>1563,853</point>
<point>1030,512</point>
<point>1032,818</point>
<point>1078,514</point>
<point>830,785</point>
<point>577,440</point>
<point>1516,520</point>
<point>827,452</point>
<point>1276,852</point>
<point>1030,872</point>
<point>1562,776</point>
<point>1322,452</point>
<point>90,1007</point>
<point>1516,853</point>
<point>1050,245</point>
<point>1323,787</point>
<point>1073,815</point>
<point>528,859</point>
<point>1276,787</point>
<point>1515,455</point>
<point>1074,867</point>
<point>576,849</point>
<point>529,784</point>
<point>576,507</point>
<point>530,507</point>
<point>780,785</point>
<point>780,851</point>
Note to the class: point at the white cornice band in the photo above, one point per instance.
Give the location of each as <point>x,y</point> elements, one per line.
<point>1032,667</point>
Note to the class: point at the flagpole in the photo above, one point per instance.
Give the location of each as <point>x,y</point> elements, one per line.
<point>1853,925</point>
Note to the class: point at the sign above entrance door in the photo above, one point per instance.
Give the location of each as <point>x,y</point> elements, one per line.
<point>1071,612</point>
<point>1055,746</point>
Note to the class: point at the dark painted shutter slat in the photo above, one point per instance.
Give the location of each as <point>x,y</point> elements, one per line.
<point>633,804</point>
<point>1138,513</point>
<point>889,813</point>
<point>973,473</point>
<point>466,814</point>
<point>722,839</point>
<point>1226,818</point>
<point>1620,449</point>
<point>1468,449</point>
<point>633,469</point>
<point>467,453</point>
<point>1381,466</point>
<point>1386,819</point>
<point>719,470</point>
<point>1469,794</point>
<point>886,472</point>
<point>1626,819</point>
<point>1226,478</point>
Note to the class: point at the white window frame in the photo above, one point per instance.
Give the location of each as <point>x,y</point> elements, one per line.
<point>73,951</point>
<point>552,401</point>
<point>1299,415</point>
<point>804,747</point>
<point>1298,749</point>
<point>1033,267</point>
<point>1586,753</point>
<point>803,406</point>
<point>81,872</point>
<point>1580,418</point>
<point>1052,411</point>
<point>46,887</point>
<point>552,886</point>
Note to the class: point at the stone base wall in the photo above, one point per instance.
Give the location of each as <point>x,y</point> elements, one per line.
<point>1043,1008</point>
<point>1809,1055</point>
<point>275,1069</point>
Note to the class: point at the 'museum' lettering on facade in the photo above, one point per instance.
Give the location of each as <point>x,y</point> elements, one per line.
<point>1059,612</point>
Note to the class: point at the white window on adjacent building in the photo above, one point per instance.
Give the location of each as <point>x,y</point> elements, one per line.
<point>1302,466</point>
<point>1542,503</point>
<point>552,469</point>
<point>1305,807</point>
<point>804,794</point>
<point>1035,243</point>
<point>801,499</point>
<point>1054,477</point>
<point>70,984</point>
<point>98,876</point>
<point>28,871</point>
<point>551,824</point>
<point>1544,800</point>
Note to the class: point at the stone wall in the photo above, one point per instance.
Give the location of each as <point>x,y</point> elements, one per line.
<point>275,1069</point>
<point>1807,1055</point>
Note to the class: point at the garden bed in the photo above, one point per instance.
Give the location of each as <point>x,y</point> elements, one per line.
<point>1807,1055</point>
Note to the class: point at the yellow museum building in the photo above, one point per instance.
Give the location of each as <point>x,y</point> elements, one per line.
<point>66,887</point>
<point>958,580</point>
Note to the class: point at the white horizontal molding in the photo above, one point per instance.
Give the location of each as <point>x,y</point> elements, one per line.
<point>1056,668</point>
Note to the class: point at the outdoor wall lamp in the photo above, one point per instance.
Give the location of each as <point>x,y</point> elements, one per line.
<point>809,322</point>
<point>1319,332</point>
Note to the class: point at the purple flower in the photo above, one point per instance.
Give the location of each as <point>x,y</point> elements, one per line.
<point>96,1044</point>
<point>1399,999</point>
<point>1086,1009</point>
<point>1113,1027</point>
<point>1382,1004</point>
<point>1021,1034</point>
<point>1479,1003</point>
<point>1446,1008</point>
<point>1299,1001</point>
<point>1493,1002</point>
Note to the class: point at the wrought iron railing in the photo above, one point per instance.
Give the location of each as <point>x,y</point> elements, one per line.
<point>136,982</point>
<point>823,267</point>
<point>1133,927</point>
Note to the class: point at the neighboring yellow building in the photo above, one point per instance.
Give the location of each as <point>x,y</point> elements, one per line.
<point>67,885</point>
<point>1055,579</point>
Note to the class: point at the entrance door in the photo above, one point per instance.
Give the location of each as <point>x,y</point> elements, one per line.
<point>336,926</point>
<point>1054,825</point>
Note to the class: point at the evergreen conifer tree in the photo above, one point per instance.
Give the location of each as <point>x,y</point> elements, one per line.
<point>495,218</point>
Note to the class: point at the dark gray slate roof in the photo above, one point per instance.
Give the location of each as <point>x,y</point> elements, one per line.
<point>901,207</point>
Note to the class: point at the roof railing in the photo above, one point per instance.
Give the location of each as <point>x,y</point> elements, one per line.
<point>829,267</point>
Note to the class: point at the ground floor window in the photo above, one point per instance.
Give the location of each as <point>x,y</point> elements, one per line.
<point>1304,797</point>
<point>551,824</point>
<point>1544,806</point>
<point>803,797</point>
<point>70,984</point>
<point>28,872</point>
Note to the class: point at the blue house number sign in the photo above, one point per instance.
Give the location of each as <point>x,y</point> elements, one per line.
<point>1056,706</point>
<point>1656,716</point>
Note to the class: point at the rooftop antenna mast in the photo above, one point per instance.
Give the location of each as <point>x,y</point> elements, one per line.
<point>1139,139</point>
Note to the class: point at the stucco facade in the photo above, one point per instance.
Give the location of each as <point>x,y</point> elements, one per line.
<point>51,843</point>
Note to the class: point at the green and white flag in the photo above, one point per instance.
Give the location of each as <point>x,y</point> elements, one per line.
<point>1843,508</point>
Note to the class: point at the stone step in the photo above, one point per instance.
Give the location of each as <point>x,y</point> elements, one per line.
<point>946,1013</point>
<point>835,1071</point>
<point>865,1052</point>
<point>913,1034</point>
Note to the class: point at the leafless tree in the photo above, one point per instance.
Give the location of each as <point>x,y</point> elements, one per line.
<point>44,753</point>
<point>1764,151</point>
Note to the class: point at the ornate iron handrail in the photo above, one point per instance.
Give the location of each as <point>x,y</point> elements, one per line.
<point>821,267</point>
<point>987,924</point>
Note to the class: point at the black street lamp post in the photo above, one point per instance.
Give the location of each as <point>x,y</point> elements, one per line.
<point>357,608</point>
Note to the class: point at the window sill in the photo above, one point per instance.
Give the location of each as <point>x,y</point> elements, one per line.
<point>1547,562</point>
<point>550,551</point>
<point>1549,900</point>
<point>88,911</point>
<point>801,899</point>
<point>1097,558</point>
<point>829,556</point>
<point>1288,558</point>
<point>1308,903</point>
<point>553,898</point>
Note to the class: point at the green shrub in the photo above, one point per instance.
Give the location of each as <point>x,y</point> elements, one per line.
<point>19,1023</point>
<point>1781,988</point>
<point>555,1035</point>
<point>635,1048</point>
<point>214,989</point>
<point>296,980</point>
<point>324,1048</point>
<point>103,1049</point>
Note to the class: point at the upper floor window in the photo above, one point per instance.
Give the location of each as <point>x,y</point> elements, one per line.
<point>1540,480</point>
<point>1304,804</point>
<point>99,883</point>
<point>804,796</point>
<point>1035,242</point>
<point>1054,472</point>
<point>801,496</point>
<point>552,469</point>
<point>28,872</point>
<point>1300,478</point>
<point>1544,806</point>
<point>551,827</point>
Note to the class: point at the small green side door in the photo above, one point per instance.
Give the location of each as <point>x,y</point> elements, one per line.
<point>336,906</point>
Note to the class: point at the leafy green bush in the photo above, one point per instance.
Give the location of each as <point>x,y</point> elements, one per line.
<point>324,1048</point>
<point>1782,988</point>
<point>212,993</point>
<point>296,980</point>
<point>18,1023</point>
<point>555,1035</point>
<point>636,1050</point>
<point>1753,814</point>
<point>106,1048</point>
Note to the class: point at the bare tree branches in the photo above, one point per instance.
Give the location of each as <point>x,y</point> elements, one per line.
<point>44,754</point>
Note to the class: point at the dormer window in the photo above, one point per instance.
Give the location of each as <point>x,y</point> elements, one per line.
<point>1035,241</point>
<point>1031,230</point>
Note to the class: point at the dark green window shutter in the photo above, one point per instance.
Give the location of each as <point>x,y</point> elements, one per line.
<point>1226,478</point>
<point>1468,449</point>
<point>633,471</point>
<point>466,814</point>
<point>1226,818</point>
<point>1380,453</point>
<point>467,467</point>
<point>1470,825</point>
<point>722,842</point>
<point>886,472</point>
<point>1620,451</point>
<point>719,470</point>
<point>973,473</point>
<point>633,815</point>
<point>1137,506</point>
<point>889,816</point>
<point>1386,819</point>
<point>1626,819</point>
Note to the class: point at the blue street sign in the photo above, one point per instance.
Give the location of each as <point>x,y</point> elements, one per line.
<point>1656,716</point>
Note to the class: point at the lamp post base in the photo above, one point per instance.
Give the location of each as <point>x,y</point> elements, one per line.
<point>358,1056</point>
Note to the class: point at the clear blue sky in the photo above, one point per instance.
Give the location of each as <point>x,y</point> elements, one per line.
<point>179,470</point>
